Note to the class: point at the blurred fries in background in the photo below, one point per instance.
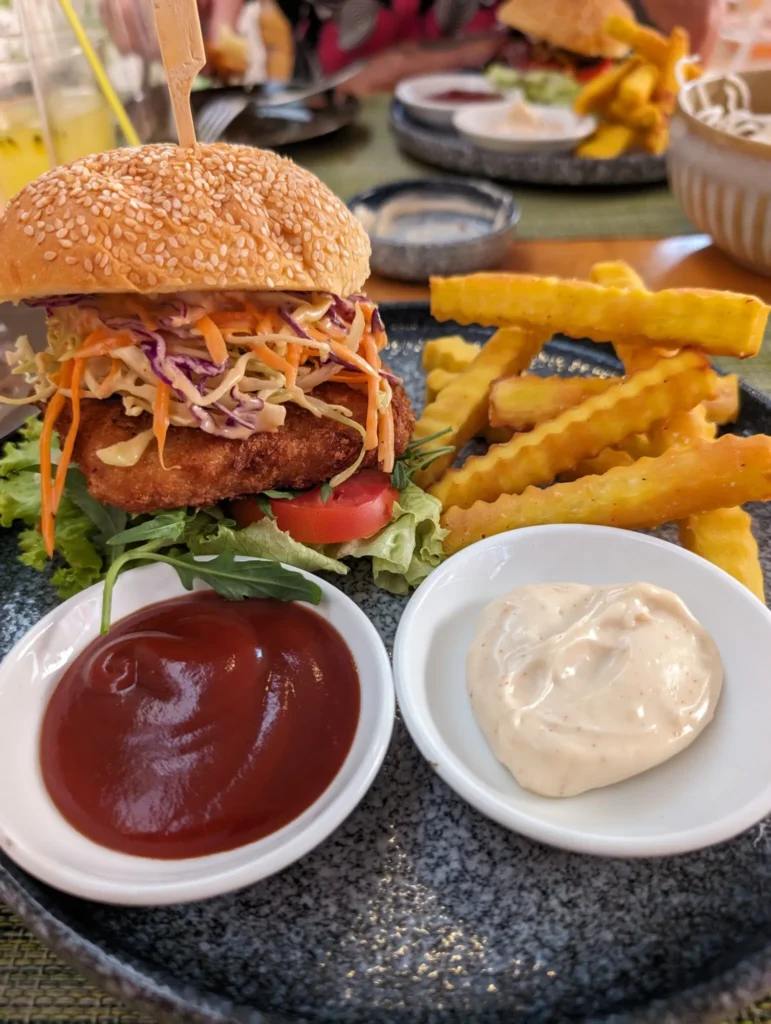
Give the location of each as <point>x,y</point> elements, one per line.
<point>634,451</point>
<point>635,99</point>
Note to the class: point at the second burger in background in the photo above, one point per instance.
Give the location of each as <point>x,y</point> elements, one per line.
<point>210,355</point>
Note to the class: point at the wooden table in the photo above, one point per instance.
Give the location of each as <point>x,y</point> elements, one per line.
<point>682,261</point>
<point>679,262</point>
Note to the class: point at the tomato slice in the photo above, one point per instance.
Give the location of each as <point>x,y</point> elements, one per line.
<point>357,509</point>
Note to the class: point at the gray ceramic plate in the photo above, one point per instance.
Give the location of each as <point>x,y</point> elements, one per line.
<point>418,909</point>
<point>450,151</point>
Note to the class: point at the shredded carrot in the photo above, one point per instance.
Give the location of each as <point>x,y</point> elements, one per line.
<point>72,433</point>
<point>232,321</point>
<point>103,345</point>
<point>386,455</point>
<point>161,417</point>
<point>215,343</point>
<point>272,359</point>
<point>54,407</point>
<point>373,390</point>
<point>350,378</point>
<point>351,357</point>
<point>105,388</point>
<point>293,360</point>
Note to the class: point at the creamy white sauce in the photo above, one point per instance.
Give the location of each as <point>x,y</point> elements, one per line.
<point>524,121</point>
<point>577,687</point>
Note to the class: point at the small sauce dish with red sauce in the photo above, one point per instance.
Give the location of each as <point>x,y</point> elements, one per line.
<point>434,99</point>
<point>198,747</point>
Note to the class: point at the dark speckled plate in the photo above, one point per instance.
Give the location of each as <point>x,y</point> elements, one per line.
<point>418,909</point>
<point>445,148</point>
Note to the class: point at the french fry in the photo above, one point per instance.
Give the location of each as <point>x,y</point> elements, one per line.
<point>720,323</point>
<point>603,86</point>
<point>607,459</point>
<point>724,537</point>
<point>523,402</point>
<point>607,142</point>
<point>647,42</point>
<point>723,407</point>
<point>666,87</point>
<point>462,405</point>
<point>497,435</point>
<point>451,353</point>
<point>683,481</point>
<point>616,274</point>
<point>436,380</point>
<point>656,139</point>
<point>630,407</point>
<point>636,88</point>
<point>646,115</point>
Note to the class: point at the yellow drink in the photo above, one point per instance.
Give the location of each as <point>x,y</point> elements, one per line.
<point>80,124</point>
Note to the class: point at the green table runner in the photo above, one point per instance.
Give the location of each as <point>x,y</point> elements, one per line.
<point>366,154</point>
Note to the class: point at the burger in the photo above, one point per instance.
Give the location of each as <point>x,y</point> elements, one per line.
<point>563,35</point>
<point>211,362</point>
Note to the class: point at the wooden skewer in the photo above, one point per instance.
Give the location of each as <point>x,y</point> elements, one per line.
<point>181,42</point>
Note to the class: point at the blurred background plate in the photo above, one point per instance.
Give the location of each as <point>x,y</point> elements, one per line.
<point>14,321</point>
<point>272,126</point>
<point>452,153</point>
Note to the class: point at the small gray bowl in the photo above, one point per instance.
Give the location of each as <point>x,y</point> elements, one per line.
<point>424,227</point>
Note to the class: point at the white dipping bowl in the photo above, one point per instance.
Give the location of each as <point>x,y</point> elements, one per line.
<point>35,835</point>
<point>715,789</point>
<point>478,123</point>
<point>414,94</point>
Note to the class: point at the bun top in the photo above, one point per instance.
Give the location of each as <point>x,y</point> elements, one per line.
<point>569,24</point>
<point>161,218</point>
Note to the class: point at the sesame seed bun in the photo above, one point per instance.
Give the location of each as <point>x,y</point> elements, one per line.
<point>568,24</point>
<point>165,219</point>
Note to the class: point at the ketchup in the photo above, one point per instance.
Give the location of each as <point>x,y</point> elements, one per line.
<point>464,96</point>
<point>199,724</point>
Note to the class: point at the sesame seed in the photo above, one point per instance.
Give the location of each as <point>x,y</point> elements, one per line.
<point>49,255</point>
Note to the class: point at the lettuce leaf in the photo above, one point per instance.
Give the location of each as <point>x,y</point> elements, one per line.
<point>404,552</point>
<point>20,502</point>
<point>264,540</point>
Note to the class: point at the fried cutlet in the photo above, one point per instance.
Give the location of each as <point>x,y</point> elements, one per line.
<point>205,469</point>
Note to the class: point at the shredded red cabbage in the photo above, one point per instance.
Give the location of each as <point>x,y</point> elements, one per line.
<point>287,317</point>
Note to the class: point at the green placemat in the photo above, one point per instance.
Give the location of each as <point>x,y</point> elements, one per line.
<point>366,154</point>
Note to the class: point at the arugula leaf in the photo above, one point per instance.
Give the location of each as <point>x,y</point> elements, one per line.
<point>232,579</point>
<point>282,495</point>
<point>417,456</point>
<point>265,508</point>
<point>326,490</point>
<point>108,520</point>
<point>166,526</point>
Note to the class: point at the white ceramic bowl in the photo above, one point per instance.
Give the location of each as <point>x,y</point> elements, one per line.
<point>37,837</point>
<point>479,124</point>
<point>414,94</point>
<point>715,789</point>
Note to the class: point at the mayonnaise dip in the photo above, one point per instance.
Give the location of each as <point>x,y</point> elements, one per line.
<point>577,687</point>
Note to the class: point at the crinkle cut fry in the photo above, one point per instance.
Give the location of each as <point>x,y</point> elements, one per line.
<point>461,407</point>
<point>719,323</point>
<point>683,481</point>
<point>630,407</point>
<point>722,536</point>
<point>452,353</point>
<point>523,402</point>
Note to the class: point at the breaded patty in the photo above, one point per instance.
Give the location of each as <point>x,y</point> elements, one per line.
<point>305,451</point>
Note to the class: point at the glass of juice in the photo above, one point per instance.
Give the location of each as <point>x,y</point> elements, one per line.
<point>52,116</point>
